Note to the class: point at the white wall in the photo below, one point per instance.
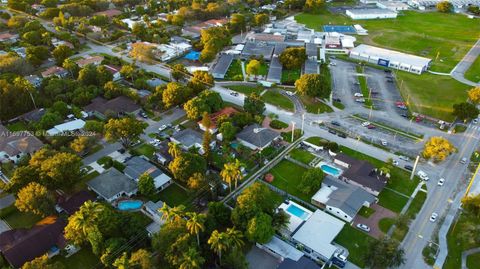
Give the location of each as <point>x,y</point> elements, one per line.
<point>339,213</point>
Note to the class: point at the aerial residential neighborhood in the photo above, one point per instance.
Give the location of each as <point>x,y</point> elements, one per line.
<point>287,134</point>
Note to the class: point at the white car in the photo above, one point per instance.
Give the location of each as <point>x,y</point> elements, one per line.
<point>365,124</point>
<point>395,162</point>
<point>423,175</point>
<point>357,94</point>
<point>405,158</point>
<point>289,93</point>
<point>360,100</point>
<point>433,217</point>
<point>363,227</point>
<point>162,128</point>
<point>384,142</point>
<point>475,121</point>
<point>441,181</point>
<point>333,64</point>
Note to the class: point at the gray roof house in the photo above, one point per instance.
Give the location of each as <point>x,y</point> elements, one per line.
<point>311,67</point>
<point>258,49</point>
<point>256,137</point>
<point>275,71</point>
<point>112,184</point>
<point>311,50</point>
<point>341,199</point>
<point>151,210</point>
<point>137,166</point>
<point>119,106</point>
<point>221,68</point>
<point>189,138</point>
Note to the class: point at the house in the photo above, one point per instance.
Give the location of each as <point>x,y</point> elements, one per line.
<point>56,43</point>
<point>8,37</point>
<point>224,112</point>
<point>162,156</point>
<point>137,166</point>
<point>312,51</point>
<point>130,22</point>
<point>275,70</point>
<point>302,263</point>
<point>21,51</point>
<point>266,38</point>
<point>311,67</point>
<point>389,58</point>
<point>35,80</point>
<point>71,204</point>
<point>110,13</point>
<point>94,60</point>
<point>257,49</point>
<point>188,139</point>
<point>69,126</point>
<point>119,106</point>
<point>33,116</point>
<point>370,13</point>
<point>155,82</point>
<point>194,31</point>
<point>152,210</point>
<point>221,68</point>
<point>112,184</point>
<point>361,173</point>
<point>14,147</point>
<point>172,50</point>
<point>115,71</point>
<point>256,137</point>
<point>55,71</point>
<point>341,199</point>
<point>19,246</point>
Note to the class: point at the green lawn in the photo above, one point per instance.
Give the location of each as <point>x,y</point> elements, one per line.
<point>277,99</point>
<point>455,243</point>
<point>366,211</point>
<point>391,200</point>
<point>356,242</point>
<point>431,94</point>
<point>302,156</point>
<point>473,261</point>
<point>287,176</point>
<point>416,204</point>
<point>290,76</point>
<point>473,73</point>
<point>173,195</point>
<point>234,72</point>
<point>444,38</point>
<point>82,183</point>
<point>277,124</point>
<point>314,106</point>
<point>385,224</point>
<point>263,71</point>
<point>247,90</point>
<point>364,87</point>
<point>84,258</point>
<point>144,149</point>
<point>17,126</point>
<point>318,141</point>
<point>17,219</point>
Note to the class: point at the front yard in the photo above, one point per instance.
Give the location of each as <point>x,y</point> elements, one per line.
<point>277,99</point>
<point>356,242</point>
<point>392,200</point>
<point>144,149</point>
<point>315,106</point>
<point>234,72</point>
<point>247,90</point>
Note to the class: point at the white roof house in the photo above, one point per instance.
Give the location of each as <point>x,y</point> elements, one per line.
<point>370,13</point>
<point>67,127</point>
<point>390,58</point>
<point>317,234</point>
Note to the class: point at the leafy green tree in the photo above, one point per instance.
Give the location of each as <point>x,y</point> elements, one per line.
<point>128,71</point>
<point>192,259</point>
<point>438,149</point>
<point>62,169</point>
<point>218,215</point>
<point>228,131</point>
<point>465,111</point>
<point>196,224</point>
<point>187,164</point>
<point>312,85</point>
<point>94,126</point>
<point>111,249</point>
<point>219,242</point>
<point>20,178</point>
<point>235,238</point>
<point>126,130</point>
<point>255,199</point>
<point>37,54</point>
<point>261,19</point>
<point>61,53</point>
<point>122,262</point>
<point>42,262</point>
<point>474,94</point>
<point>472,204</point>
<point>200,81</point>
<point>195,107</point>
<point>314,6</point>
<point>237,23</point>
<point>293,58</point>
<point>311,180</point>
<point>253,67</point>
<point>196,181</point>
<point>141,259</point>
<point>71,67</point>
<point>254,104</point>
<point>35,198</point>
<point>179,72</point>
<point>444,7</point>
<point>146,185</point>
<point>175,94</point>
<point>260,229</point>
<point>385,253</point>
<point>174,149</point>
<point>82,144</point>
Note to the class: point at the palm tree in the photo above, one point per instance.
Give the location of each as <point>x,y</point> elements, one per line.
<point>165,210</point>
<point>191,259</point>
<point>195,224</point>
<point>85,218</point>
<point>174,149</point>
<point>177,212</point>
<point>219,243</point>
<point>231,173</point>
<point>235,237</point>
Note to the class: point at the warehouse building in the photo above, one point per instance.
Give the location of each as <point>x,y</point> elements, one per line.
<point>370,13</point>
<point>390,58</point>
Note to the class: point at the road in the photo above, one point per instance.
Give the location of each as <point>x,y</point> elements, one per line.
<point>459,70</point>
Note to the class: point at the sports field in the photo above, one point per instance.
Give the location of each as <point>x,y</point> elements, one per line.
<point>445,38</point>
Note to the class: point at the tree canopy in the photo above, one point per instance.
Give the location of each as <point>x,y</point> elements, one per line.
<point>465,111</point>
<point>126,130</point>
<point>313,85</point>
<point>311,180</point>
<point>438,148</point>
<point>293,58</point>
<point>254,104</point>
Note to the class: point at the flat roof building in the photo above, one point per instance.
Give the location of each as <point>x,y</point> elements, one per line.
<point>390,58</point>
<point>70,126</point>
<point>311,67</point>
<point>258,49</point>
<point>275,71</point>
<point>370,13</point>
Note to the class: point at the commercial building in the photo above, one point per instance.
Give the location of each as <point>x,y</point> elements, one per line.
<point>370,13</point>
<point>394,6</point>
<point>221,68</point>
<point>390,58</point>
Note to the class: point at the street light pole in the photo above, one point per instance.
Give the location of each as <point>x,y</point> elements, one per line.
<point>414,167</point>
<point>293,129</point>
<point>303,121</point>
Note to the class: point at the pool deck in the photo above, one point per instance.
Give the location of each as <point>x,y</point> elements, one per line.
<point>295,221</point>
<point>319,165</point>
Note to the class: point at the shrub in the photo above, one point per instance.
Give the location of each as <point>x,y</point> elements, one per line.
<point>276,124</point>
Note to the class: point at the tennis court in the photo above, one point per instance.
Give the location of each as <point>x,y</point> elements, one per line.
<point>347,29</point>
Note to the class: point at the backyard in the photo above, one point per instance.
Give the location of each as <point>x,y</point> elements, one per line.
<point>302,155</point>
<point>290,76</point>
<point>356,242</point>
<point>234,72</point>
<point>277,99</point>
<point>84,258</point>
<point>287,177</point>
<point>17,219</point>
<point>173,195</point>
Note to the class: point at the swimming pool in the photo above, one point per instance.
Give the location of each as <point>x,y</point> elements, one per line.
<point>297,211</point>
<point>129,205</point>
<point>192,55</point>
<point>328,169</point>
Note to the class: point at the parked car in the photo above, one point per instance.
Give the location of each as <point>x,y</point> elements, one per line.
<point>384,142</point>
<point>371,126</point>
<point>162,128</point>
<point>404,115</point>
<point>332,131</point>
<point>360,100</point>
<point>234,93</point>
<point>441,181</point>
<point>342,135</point>
<point>463,160</point>
<point>333,64</point>
<point>433,217</point>
<point>475,121</point>
<point>390,80</point>
<point>289,93</point>
<point>366,123</point>
<point>374,93</point>
<point>423,175</point>
<point>333,57</point>
<point>356,83</point>
<point>387,71</point>
<point>363,227</point>
<point>405,158</point>
<point>357,94</point>
<point>337,100</point>
<point>336,123</point>
<point>143,114</point>
<point>408,167</point>
<point>395,162</point>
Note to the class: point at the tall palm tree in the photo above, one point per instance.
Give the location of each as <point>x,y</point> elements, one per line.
<point>231,173</point>
<point>172,213</point>
<point>84,219</point>
<point>219,243</point>
<point>195,224</point>
<point>174,149</point>
<point>191,259</point>
<point>235,237</point>
<point>165,210</point>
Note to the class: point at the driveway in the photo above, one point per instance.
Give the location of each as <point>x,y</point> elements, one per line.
<point>258,258</point>
<point>372,221</point>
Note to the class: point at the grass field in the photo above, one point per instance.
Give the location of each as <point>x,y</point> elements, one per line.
<point>247,90</point>
<point>84,258</point>
<point>234,72</point>
<point>385,224</point>
<point>455,243</point>
<point>302,156</point>
<point>431,94</point>
<point>356,242</point>
<point>290,76</point>
<point>473,260</point>
<point>173,195</point>
<point>17,219</point>
<point>277,99</point>
<point>17,126</point>
<point>366,211</point>
<point>392,200</point>
<point>287,177</point>
<point>364,87</point>
<point>145,150</point>
<point>473,73</point>
<point>445,38</point>
<point>315,107</point>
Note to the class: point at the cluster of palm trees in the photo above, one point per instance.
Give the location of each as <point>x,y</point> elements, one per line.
<point>219,242</point>
<point>232,173</point>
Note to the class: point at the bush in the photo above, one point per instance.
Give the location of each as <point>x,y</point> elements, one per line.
<point>276,124</point>
<point>118,165</point>
<point>106,162</point>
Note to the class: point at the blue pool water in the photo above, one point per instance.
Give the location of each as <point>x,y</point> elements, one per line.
<point>330,170</point>
<point>129,205</point>
<point>192,55</point>
<point>234,145</point>
<point>297,211</point>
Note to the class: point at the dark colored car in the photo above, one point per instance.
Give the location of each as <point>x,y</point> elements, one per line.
<point>408,167</point>
<point>337,100</point>
<point>336,123</point>
<point>342,135</point>
<point>332,131</point>
<point>387,71</point>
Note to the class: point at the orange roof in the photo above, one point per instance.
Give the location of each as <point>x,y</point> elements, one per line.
<point>227,111</point>
<point>52,70</point>
<point>7,35</point>
<point>90,60</point>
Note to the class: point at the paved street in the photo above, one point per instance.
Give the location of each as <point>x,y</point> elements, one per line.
<point>459,70</point>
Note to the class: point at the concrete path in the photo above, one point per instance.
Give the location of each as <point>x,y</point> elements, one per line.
<point>459,70</point>
<point>467,253</point>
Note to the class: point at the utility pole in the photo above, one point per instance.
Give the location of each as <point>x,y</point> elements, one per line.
<point>414,167</point>
<point>293,129</point>
<point>303,121</point>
